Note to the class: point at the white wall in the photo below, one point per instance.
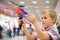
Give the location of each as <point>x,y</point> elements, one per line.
<point>58,10</point>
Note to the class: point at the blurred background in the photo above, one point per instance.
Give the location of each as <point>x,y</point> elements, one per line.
<point>31,7</point>
<point>35,5</point>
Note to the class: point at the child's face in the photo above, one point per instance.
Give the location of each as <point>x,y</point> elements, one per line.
<point>47,20</point>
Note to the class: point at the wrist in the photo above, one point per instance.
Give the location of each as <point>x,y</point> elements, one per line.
<point>35,22</point>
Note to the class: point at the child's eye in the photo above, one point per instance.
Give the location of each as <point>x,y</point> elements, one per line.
<point>45,17</point>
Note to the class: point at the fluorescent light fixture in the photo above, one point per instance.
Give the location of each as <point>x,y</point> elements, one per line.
<point>47,1</point>
<point>37,10</point>
<point>28,10</point>
<point>34,2</point>
<point>26,7</point>
<point>22,2</point>
<point>9,3</point>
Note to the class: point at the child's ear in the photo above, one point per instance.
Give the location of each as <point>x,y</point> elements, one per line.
<point>54,20</point>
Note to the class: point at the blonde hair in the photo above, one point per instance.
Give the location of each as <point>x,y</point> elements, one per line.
<point>51,13</point>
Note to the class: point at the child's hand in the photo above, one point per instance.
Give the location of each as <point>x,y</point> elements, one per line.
<point>32,18</point>
<point>24,23</point>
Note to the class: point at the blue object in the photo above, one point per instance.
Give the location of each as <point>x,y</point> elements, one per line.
<point>9,32</point>
<point>0,7</point>
<point>7,12</point>
<point>24,11</point>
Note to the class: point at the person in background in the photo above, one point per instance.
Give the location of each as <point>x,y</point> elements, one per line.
<point>20,24</point>
<point>9,33</point>
<point>49,18</point>
<point>58,27</point>
<point>14,30</point>
<point>30,29</point>
<point>1,29</point>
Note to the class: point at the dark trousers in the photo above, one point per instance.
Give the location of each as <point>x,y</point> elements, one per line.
<point>0,35</point>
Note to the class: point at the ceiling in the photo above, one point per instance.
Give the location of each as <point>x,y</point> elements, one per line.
<point>32,6</point>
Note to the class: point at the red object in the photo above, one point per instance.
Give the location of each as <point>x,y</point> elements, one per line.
<point>19,11</point>
<point>6,7</point>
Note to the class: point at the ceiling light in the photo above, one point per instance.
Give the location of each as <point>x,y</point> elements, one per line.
<point>37,10</point>
<point>47,1</point>
<point>28,10</point>
<point>9,3</point>
<point>22,2</point>
<point>26,7</point>
<point>34,2</point>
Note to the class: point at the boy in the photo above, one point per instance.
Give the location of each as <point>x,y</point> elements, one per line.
<point>49,18</point>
